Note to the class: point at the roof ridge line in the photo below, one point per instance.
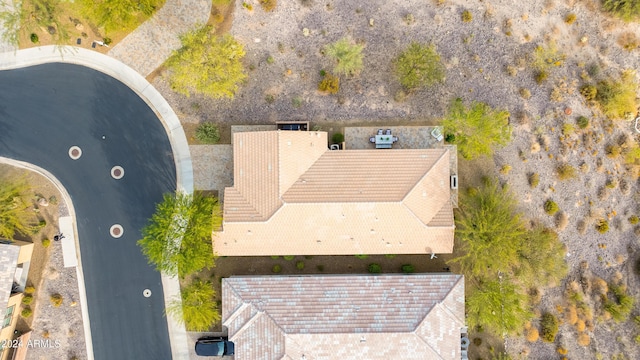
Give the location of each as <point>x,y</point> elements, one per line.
<point>446,151</point>
<point>236,313</point>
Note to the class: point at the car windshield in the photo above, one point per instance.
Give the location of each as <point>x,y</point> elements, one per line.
<point>210,348</point>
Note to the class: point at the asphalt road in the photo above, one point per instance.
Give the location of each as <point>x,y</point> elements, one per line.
<point>46,109</point>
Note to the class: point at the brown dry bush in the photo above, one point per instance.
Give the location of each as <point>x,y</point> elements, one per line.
<point>580,325</point>
<point>562,220</point>
<point>532,334</point>
<point>628,41</point>
<point>571,315</point>
<point>581,226</point>
<point>600,287</point>
<point>584,339</point>
<point>566,172</point>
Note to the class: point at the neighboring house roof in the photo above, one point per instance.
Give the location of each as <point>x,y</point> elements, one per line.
<point>344,317</point>
<point>291,195</point>
<point>8,262</point>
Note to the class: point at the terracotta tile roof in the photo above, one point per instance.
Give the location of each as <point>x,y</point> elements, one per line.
<point>293,196</point>
<point>344,317</point>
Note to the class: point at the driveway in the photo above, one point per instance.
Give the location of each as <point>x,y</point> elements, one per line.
<point>46,109</point>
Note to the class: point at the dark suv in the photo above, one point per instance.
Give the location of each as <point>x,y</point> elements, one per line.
<point>214,346</point>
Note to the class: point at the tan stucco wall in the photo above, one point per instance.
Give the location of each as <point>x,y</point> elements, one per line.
<point>7,333</point>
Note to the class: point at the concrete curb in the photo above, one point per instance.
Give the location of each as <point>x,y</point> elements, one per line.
<point>171,123</point>
<point>72,212</point>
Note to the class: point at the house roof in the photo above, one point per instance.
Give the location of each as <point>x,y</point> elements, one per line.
<point>291,195</point>
<point>344,317</point>
<point>8,262</point>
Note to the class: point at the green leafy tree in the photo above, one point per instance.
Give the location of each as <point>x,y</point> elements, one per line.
<point>16,212</point>
<point>177,239</point>
<point>207,64</point>
<point>348,56</point>
<point>541,258</point>
<point>498,306</point>
<point>119,15</point>
<point>419,66</point>
<point>198,309</point>
<point>477,128</point>
<point>489,231</point>
<point>627,10</point>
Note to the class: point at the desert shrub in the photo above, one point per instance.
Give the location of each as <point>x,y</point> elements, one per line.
<point>627,10</point>
<point>541,76</point>
<point>289,257</point>
<point>628,41</point>
<point>568,129</point>
<point>505,169</point>
<point>300,265</point>
<point>547,56</point>
<point>550,207</point>
<point>562,350</point>
<point>477,128</point>
<point>419,66</point>
<point>549,325</point>
<point>525,93</point>
<point>27,299</point>
<point>26,312</point>
<point>562,220</point>
<point>532,334</point>
<point>589,92</point>
<point>347,55</point>
<point>571,315</point>
<point>408,268</point>
<point>56,300</point>
<point>566,172</point>
<point>633,219</point>
<point>337,138</point>
<point>534,179</point>
<point>580,325</point>
<point>34,38</point>
<point>467,16</point>
<point>619,304</point>
<point>570,18</point>
<point>602,226</point>
<point>329,84</point>
<point>46,242</point>
<point>617,97</point>
<point>268,5</point>
<point>29,290</point>
<point>276,269</point>
<point>583,122</point>
<point>208,133</point>
<point>374,268</point>
<point>613,150</point>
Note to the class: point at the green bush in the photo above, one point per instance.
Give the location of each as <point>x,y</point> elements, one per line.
<point>390,256</point>
<point>375,268</point>
<point>633,219</point>
<point>56,300</point>
<point>347,55</point>
<point>566,172</point>
<point>627,10</point>
<point>613,150</point>
<point>268,5</point>
<point>477,128</point>
<point>29,290</point>
<point>602,226</point>
<point>300,265</point>
<point>26,312</point>
<point>34,38</point>
<point>620,304</point>
<point>419,66</point>
<point>449,138</point>
<point>329,84</point>
<point>541,76</point>
<point>550,207</point>
<point>583,122</point>
<point>337,138</point>
<point>276,269</point>
<point>617,98</point>
<point>467,16</point>
<point>361,256</point>
<point>289,257</point>
<point>46,243</point>
<point>107,41</point>
<point>208,133</point>
<point>589,92</point>
<point>570,18</point>
<point>27,299</point>
<point>408,268</point>
<point>549,325</point>
<point>534,179</point>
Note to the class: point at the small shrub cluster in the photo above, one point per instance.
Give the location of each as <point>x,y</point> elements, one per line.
<point>46,243</point>
<point>629,41</point>
<point>56,300</point>
<point>532,334</point>
<point>602,226</point>
<point>566,172</point>
<point>27,299</point>
<point>268,5</point>
<point>467,16</point>
<point>329,84</point>
<point>589,92</point>
<point>337,138</point>
<point>374,268</point>
<point>276,269</point>
<point>617,97</point>
<point>408,268</point>
<point>29,290</point>
<point>26,312</point>
<point>562,220</point>
<point>208,133</point>
<point>534,179</point>
<point>633,219</point>
<point>550,325</point>
<point>550,207</point>
<point>619,304</point>
<point>570,18</point>
<point>300,265</point>
<point>583,122</point>
<point>289,257</point>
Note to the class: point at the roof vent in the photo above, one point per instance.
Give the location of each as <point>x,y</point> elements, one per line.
<point>363,339</point>
<point>454,181</point>
<point>464,343</point>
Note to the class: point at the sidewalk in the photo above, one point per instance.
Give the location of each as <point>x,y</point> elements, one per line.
<point>148,46</point>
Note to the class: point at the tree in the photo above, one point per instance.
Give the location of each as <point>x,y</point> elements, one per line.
<point>498,306</point>
<point>198,309</point>
<point>541,258</point>
<point>419,66</point>
<point>207,64</point>
<point>348,56</point>
<point>627,10</point>
<point>477,128</point>
<point>119,15</point>
<point>16,212</point>
<point>617,97</point>
<point>489,232</point>
<point>177,239</point>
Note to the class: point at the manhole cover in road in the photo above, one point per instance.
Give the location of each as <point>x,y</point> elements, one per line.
<point>146,293</point>
<point>75,152</point>
<point>117,172</point>
<point>116,231</point>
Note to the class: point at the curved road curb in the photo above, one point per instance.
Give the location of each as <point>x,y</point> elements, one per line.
<point>171,123</point>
